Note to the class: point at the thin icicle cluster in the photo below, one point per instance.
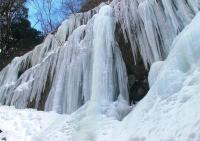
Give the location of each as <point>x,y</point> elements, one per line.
<point>151,25</point>
<point>23,82</point>
<point>62,76</point>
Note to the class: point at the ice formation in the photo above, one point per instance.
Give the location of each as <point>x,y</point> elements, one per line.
<point>170,109</point>
<point>80,62</point>
<point>151,25</point>
<point>27,81</point>
<point>80,70</point>
<point>168,112</point>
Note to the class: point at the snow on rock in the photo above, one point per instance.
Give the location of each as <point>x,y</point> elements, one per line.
<point>170,109</point>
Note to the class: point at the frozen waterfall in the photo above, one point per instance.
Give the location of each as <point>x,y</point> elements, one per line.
<point>80,71</point>
<point>82,62</point>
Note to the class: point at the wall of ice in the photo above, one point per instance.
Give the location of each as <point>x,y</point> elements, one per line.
<point>82,61</point>
<point>27,80</point>
<point>170,109</point>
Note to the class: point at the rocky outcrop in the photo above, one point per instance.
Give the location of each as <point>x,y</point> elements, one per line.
<point>90,4</point>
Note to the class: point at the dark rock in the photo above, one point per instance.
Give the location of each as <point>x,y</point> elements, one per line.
<point>90,4</point>
<point>3,139</point>
<point>131,81</point>
<point>136,71</point>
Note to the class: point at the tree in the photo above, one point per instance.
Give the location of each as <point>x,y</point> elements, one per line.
<point>16,33</point>
<point>11,11</point>
<point>71,6</point>
<point>46,14</point>
<point>50,13</point>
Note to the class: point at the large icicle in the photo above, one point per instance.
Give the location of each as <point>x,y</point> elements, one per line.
<point>108,70</point>
<point>90,67</point>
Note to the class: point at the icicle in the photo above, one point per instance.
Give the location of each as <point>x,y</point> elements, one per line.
<point>150,26</point>
<point>24,80</point>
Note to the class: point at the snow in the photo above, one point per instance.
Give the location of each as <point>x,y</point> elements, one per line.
<point>155,70</point>
<point>24,125</point>
<point>31,125</point>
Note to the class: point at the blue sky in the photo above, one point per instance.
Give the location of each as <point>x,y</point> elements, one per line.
<point>33,12</point>
<point>56,14</point>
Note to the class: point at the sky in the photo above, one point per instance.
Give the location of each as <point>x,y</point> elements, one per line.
<point>33,12</point>
<point>57,15</point>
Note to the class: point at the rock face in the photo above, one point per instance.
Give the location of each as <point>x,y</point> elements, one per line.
<point>136,71</point>
<point>90,4</point>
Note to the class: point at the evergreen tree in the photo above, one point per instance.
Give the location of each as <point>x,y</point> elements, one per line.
<point>16,33</point>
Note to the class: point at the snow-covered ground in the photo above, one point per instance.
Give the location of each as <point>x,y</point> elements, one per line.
<point>25,125</point>
<point>32,125</point>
